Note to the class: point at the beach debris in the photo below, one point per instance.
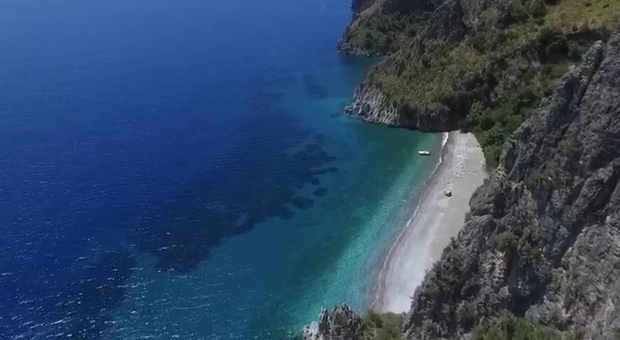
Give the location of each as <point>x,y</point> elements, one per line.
<point>424,153</point>
<point>447,193</point>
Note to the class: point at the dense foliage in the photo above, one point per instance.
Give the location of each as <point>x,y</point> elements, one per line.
<point>385,326</point>
<point>384,34</point>
<point>511,58</point>
<point>508,327</point>
<point>517,81</point>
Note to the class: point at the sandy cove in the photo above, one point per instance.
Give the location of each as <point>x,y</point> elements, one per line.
<point>436,219</point>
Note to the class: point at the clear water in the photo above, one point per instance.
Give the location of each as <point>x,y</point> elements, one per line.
<point>182,170</point>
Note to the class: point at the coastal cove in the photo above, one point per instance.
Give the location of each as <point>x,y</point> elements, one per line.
<point>516,234</point>
<point>160,182</point>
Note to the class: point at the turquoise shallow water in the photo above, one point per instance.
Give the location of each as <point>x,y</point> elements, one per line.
<point>267,283</point>
<point>186,172</point>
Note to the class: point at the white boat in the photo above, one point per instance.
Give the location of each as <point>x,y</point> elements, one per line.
<point>424,153</point>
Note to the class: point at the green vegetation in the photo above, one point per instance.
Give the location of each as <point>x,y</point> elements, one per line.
<point>384,34</point>
<point>509,327</point>
<point>385,326</point>
<point>435,78</point>
<point>506,241</point>
<point>583,15</point>
<point>513,56</point>
<point>516,82</point>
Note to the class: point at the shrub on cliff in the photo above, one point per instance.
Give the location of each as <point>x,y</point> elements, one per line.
<point>509,327</point>
<point>383,34</point>
<point>384,326</point>
<point>506,241</point>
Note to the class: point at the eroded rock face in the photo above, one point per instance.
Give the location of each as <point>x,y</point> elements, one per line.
<point>542,239</point>
<point>341,323</point>
<point>372,106</point>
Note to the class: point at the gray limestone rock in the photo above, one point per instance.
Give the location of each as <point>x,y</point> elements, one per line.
<point>341,323</point>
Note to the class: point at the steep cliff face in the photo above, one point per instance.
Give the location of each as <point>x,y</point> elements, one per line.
<point>542,239</point>
<point>341,323</point>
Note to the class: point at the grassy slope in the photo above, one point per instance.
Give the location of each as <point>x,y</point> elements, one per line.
<point>511,58</point>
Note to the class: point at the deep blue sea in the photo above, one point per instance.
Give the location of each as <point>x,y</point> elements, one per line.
<point>183,170</point>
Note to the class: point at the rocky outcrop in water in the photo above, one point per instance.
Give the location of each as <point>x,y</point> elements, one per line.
<point>372,106</point>
<point>542,239</point>
<point>339,324</point>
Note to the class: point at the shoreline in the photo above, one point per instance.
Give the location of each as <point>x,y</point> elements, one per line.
<point>435,220</point>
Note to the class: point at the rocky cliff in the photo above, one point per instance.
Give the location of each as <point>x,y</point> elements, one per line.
<point>411,34</point>
<point>542,240</point>
<point>339,324</point>
<point>372,104</point>
<point>464,63</point>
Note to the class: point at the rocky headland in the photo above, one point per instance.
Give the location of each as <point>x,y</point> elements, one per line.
<point>478,65</point>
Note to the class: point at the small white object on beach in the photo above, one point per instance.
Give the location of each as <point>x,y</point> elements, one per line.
<point>434,222</point>
<point>424,153</point>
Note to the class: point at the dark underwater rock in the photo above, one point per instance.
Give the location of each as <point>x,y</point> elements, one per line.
<point>320,192</point>
<point>302,202</point>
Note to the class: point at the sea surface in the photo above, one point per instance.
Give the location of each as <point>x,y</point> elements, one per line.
<point>183,170</point>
